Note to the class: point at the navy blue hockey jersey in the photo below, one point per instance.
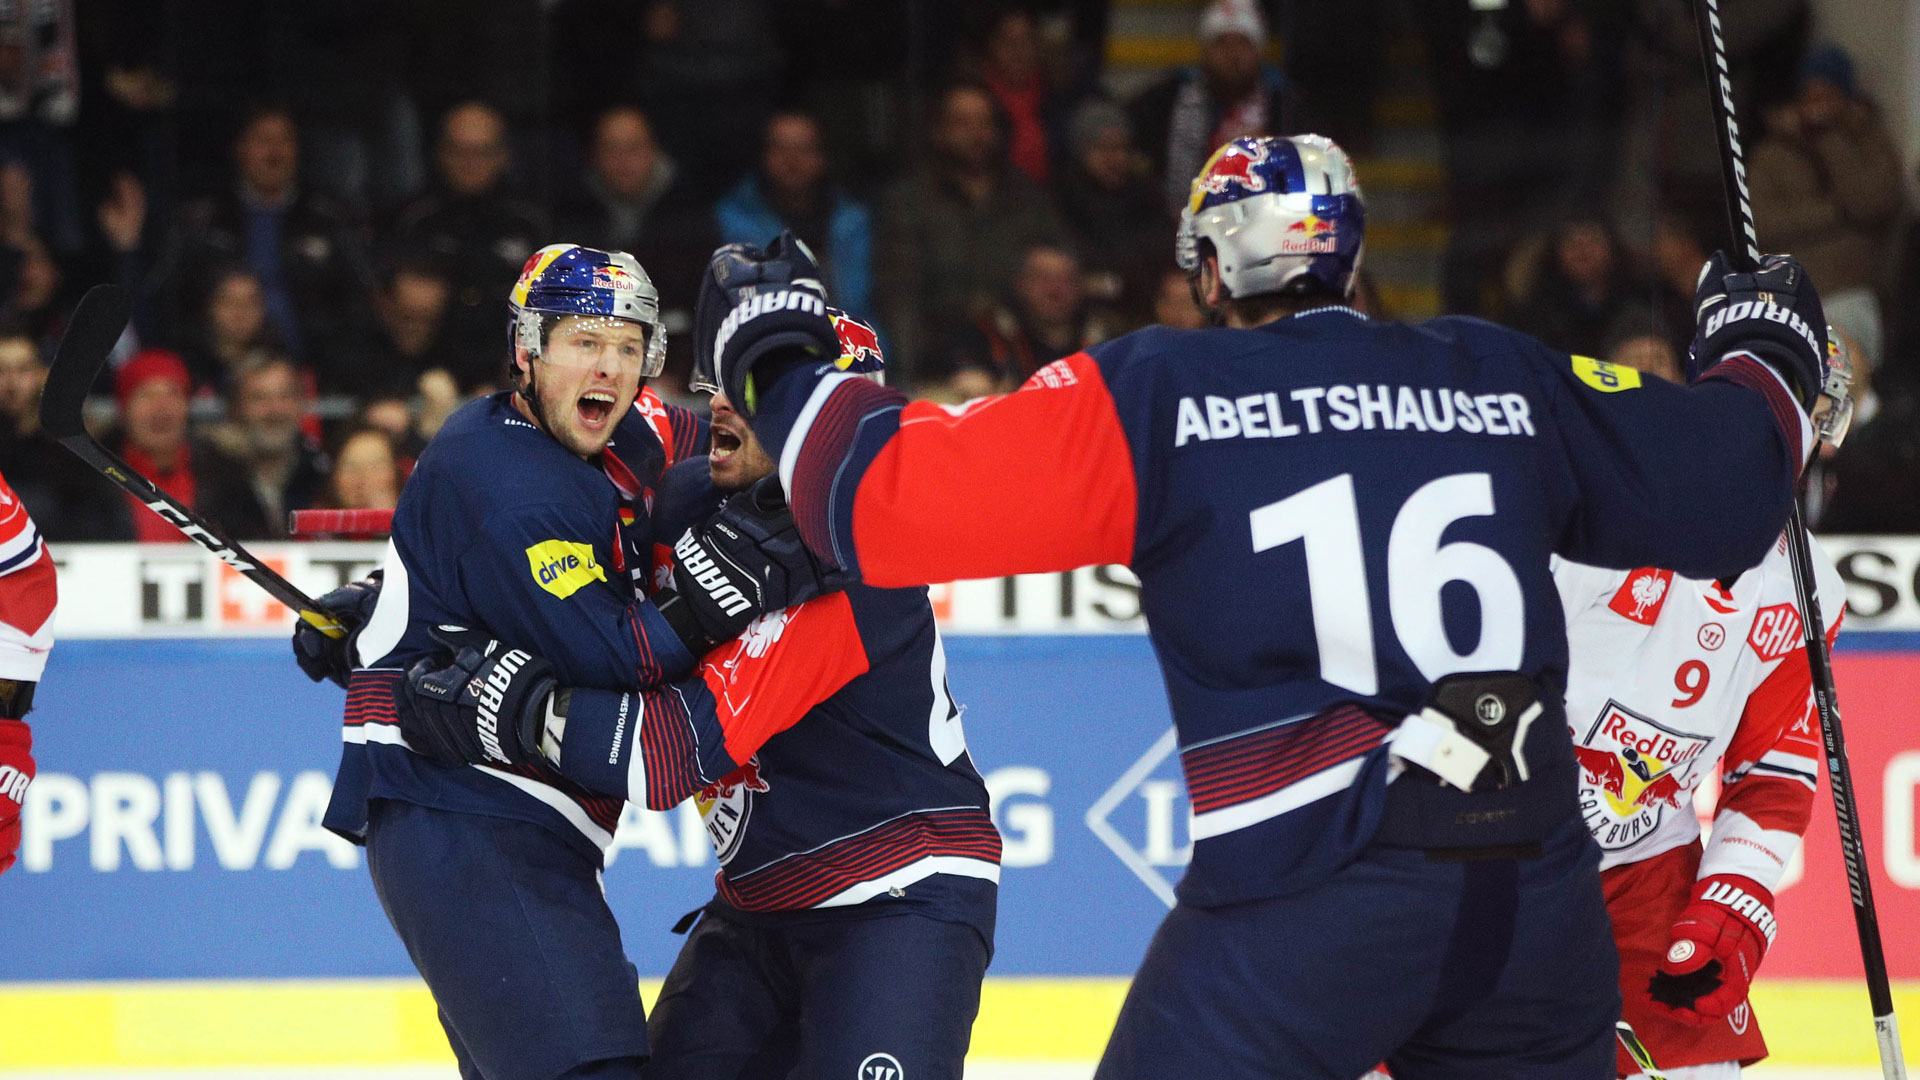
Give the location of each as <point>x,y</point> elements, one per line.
<point>870,795</point>
<point>503,529</point>
<point>1327,514</point>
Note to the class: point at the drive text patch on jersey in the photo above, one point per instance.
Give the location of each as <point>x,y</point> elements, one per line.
<point>563,567</point>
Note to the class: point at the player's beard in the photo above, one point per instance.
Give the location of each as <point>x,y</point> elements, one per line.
<point>741,461</point>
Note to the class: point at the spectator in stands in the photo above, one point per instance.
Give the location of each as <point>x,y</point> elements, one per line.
<point>1679,250</point>
<point>1173,303</point>
<point>1652,353</point>
<point>36,303</point>
<point>66,498</point>
<point>1584,287</point>
<point>636,198</point>
<point>1112,209</point>
<point>1183,119</point>
<point>791,190</point>
<point>281,467</point>
<point>951,234</point>
<point>1826,186</point>
<point>709,74</point>
<point>152,389</point>
<point>390,414</point>
<point>366,475</point>
<point>1044,318</point>
<point>468,221</point>
<point>306,248</point>
<point>414,340</point>
<point>234,328</point>
<point>1007,62</point>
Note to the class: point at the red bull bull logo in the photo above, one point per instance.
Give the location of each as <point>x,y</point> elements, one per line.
<point>725,806</point>
<point>614,277</point>
<point>1311,235</point>
<point>1633,771</point>
<point>859,344</point>
<point>1232,164</point>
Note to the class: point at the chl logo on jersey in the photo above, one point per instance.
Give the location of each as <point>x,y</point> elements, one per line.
<point>1636,770</point>
<point>1776,631</point>
<point>562,567</point>
<point>1643,594</point>
<point>726,804</point>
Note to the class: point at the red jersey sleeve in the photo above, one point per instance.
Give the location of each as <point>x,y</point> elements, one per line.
<point>910,494</point>
<point>27,592</point>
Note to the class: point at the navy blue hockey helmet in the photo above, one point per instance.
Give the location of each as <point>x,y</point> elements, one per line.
<point>1280,212</point>
<point>567,279</point>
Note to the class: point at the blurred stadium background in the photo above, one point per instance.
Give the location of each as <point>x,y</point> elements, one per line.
<point>321,207</point>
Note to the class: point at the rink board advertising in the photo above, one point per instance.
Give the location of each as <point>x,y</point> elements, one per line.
<point>185,762</point>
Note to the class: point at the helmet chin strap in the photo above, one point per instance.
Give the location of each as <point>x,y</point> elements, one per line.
<point>1216,313</point>
<point>528,393</point>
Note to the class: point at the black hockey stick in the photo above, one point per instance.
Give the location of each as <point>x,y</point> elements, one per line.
<point>1746,256</point>
<point>96,325</point>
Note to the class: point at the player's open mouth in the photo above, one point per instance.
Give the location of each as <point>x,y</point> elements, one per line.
<point>595,406</point>
<point>724,444</point>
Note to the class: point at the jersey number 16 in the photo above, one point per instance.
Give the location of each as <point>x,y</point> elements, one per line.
<point>1326,518</point>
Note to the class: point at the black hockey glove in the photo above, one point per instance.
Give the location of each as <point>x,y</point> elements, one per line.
<point>763,309</point>
<point>746,560</point>
<point>1773,313</point>
<point>486,704</point>
<point>329,658</point>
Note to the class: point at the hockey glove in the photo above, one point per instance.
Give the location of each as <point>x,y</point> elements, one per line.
<point>1773,313</point>
<point>485,705</point>
<point>762,310</point>
<point>16,772</point>
<point>746,560</point>
<point>329,658</point>
<point>1717,945</point>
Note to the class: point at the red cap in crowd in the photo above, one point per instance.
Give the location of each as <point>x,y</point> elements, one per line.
<point>147,365</point>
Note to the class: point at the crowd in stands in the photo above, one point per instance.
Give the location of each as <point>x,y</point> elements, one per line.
<point>320,207</point>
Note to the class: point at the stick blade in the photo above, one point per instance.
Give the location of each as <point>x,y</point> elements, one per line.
<point>97,323</point>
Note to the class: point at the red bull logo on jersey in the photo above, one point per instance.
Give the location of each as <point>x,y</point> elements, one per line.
<point>1311,235</point>
<point>1233,165</point>
<point>726,804</point>
<point>1633,770</point>
<point>1776,631</point>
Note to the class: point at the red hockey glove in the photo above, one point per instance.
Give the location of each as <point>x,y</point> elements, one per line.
<point>16,772</point>
<point>1717,944</point>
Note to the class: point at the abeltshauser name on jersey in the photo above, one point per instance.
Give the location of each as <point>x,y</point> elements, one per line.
<point>1313,409</point>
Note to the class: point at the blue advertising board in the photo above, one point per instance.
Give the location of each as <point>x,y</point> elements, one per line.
<point>174,828</point>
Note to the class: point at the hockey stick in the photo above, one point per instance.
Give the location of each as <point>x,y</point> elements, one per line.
<point>96,325</point>
<point>1713,51</point>
<point>354,524</point>
<point>1637,1050</point>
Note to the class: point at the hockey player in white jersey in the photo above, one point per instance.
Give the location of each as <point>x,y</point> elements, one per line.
<point>1674,681</point>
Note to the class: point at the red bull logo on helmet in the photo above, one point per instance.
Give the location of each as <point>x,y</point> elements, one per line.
<point>726,804</point>
<point>1311,235</point>
<point>1633,772</point>
<point>1235,164</point>
<point>614,277</point>
<point>859,344</point>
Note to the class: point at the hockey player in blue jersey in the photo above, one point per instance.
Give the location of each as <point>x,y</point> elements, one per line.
<point>859,862</point>
<point>1342,530</point>
<point>528,518</point>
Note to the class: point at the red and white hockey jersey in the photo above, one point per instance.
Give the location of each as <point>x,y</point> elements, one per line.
<point>26,592</point>
<point>1666,677</point>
